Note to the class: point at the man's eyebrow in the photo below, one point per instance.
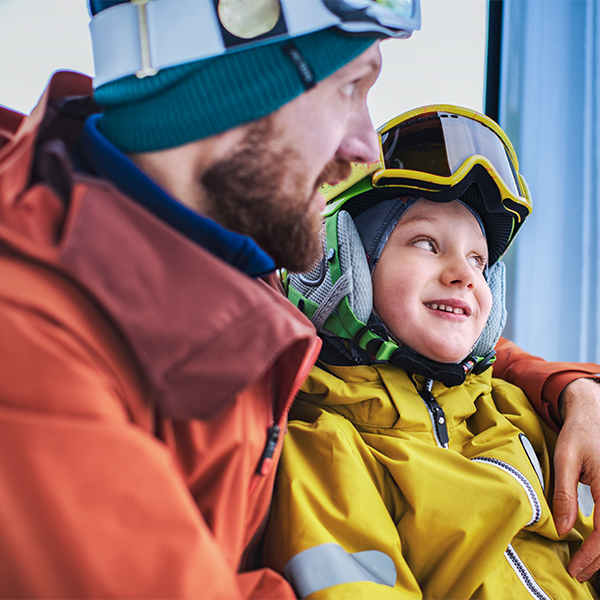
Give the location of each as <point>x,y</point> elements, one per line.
<point>371,64</point>
<point>374,64</point>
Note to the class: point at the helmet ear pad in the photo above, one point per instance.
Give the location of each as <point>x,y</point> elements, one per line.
<point>492,331</point>
<point>337,295</point>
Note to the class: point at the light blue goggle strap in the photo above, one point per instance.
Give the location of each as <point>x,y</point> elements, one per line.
<point>143,36</point>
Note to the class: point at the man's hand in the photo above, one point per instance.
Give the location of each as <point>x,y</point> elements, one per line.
<point>577,458</point>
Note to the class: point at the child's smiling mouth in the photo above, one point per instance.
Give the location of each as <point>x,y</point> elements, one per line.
<point>456,307</point>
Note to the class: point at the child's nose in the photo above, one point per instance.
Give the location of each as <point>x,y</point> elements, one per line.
<point>458,272</point>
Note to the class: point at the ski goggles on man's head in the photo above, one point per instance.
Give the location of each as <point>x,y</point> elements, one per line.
<point>143,36</point>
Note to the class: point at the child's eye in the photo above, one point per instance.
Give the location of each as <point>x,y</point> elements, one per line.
<point>425,244</point>
<point>478,262</point>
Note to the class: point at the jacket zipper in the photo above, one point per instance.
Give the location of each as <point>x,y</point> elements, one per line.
<point>438,419</point>
<point>256,539</point>
<point>264,464</point>
<point>524,575</point>
<point>274,429</point>
<point>436,412</point>
<point>536,506</point>
<point>273,434</point>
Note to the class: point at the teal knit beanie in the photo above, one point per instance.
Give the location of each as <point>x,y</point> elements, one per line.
<point>192,101</point>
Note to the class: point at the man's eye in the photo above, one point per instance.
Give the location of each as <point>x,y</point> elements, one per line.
<point>425,244</point>
<point>350,88</point>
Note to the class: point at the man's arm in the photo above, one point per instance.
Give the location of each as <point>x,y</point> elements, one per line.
<point>567,397</point>
<point>543,382</point>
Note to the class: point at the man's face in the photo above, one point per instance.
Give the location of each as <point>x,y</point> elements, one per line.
<point>428,286</point>
<point>267,187</point>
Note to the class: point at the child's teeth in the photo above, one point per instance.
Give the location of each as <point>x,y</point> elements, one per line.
<point>456,311</point>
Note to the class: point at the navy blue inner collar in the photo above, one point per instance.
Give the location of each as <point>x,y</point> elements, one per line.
<point>96,155</point>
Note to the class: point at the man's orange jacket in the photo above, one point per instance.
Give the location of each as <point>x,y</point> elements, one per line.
<point>142,381</point>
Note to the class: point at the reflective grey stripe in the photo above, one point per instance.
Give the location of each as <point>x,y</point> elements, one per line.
<point>524,575</point>
<point>533,459</point>
<point>536,506</point>
<point>326,565</point>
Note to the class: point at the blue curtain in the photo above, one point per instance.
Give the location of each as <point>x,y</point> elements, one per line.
<point>550,108</point>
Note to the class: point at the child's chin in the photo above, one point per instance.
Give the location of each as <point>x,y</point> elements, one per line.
<point>449,357</point>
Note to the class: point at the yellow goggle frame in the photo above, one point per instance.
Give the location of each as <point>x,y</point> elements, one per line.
<point>377,175</point>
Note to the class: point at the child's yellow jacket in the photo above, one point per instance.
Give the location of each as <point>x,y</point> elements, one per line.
<point>368,505</point>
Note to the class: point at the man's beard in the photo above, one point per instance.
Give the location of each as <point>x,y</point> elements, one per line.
<point>262,192</point>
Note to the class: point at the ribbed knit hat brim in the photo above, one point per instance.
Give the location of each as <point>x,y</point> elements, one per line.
<point>196,100</point>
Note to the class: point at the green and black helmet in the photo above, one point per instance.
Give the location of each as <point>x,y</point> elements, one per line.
<point>441,153</point>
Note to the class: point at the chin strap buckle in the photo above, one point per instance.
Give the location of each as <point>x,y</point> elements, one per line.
<point>477,365</point>
<point>449,374</point>
<point>376,328</point>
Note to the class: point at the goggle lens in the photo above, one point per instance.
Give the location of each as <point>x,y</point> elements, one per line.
<point>393,17</point>
<point>439,143</point>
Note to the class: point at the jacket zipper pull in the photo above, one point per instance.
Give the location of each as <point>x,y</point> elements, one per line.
<point>264,464</point>
<point>438,417</point>
<point>440,423</point>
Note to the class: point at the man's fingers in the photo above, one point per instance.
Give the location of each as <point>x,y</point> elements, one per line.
<point>564,502</point>
<point>577,457</point>
<point>564,509</point>
<point>586,560</point>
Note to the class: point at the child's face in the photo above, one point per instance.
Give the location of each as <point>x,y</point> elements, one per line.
<point>428,286</point>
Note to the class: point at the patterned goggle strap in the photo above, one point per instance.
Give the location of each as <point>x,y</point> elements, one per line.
<point>143,36</point>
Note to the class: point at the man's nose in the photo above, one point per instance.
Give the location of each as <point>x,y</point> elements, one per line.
<point>361,143</point>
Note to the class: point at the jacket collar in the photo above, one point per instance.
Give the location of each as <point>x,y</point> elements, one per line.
<point>385,396</point>
<point>153,284</point>
<point>159,287</point>
<point>97,155</point>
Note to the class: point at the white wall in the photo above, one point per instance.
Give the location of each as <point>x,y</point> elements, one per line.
<point>38,37</point>
<point>444,62</point>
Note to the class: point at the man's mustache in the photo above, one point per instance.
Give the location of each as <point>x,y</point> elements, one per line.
<point>335,170</point>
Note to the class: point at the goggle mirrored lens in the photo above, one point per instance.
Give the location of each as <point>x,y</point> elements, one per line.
<point>361,15</point>
<point>439,143</point>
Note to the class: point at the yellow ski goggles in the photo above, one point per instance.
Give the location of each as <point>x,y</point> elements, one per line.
<point>438,152</point>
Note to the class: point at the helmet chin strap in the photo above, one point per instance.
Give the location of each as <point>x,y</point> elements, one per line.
<point>450,374</point>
